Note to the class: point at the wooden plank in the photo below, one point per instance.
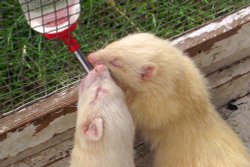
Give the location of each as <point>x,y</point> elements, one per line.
<point>38,110</point>
<point>236,88</point>
<point>58,155</point>
<point>29,137</point>
<point>228,73</point>
<point>239,119</point>
<point>224,52</point>
<point>48,156</point>
<point>230,82</point>
<point>61,163</point>
<point>203,38</point>
<point>58,138</point>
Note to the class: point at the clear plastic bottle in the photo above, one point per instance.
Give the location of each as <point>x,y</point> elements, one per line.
<point>50,16</point>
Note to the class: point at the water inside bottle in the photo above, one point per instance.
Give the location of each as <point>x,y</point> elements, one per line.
<point>50,16</point>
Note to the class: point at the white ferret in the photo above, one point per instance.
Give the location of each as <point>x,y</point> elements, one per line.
<point>169,101</point>
<point>104,130</point>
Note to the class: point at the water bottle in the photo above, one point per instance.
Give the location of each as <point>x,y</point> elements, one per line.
<point>56,19</point>
<point>50,16</point>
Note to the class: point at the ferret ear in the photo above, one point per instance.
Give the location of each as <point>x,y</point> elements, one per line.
<point>148,71</point>
<point>94,129</point>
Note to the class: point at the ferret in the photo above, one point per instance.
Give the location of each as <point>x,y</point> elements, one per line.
<point>105,130</point>
<point>169,101</point>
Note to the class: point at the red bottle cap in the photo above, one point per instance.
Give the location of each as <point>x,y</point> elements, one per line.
<point>66,37</point>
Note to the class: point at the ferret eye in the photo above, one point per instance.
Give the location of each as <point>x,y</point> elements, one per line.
<point>116,63</point>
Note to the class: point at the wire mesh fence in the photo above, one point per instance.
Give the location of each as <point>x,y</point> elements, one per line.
<point>32,67</point>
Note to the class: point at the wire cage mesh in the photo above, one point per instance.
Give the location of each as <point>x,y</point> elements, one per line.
<point>32,67</point>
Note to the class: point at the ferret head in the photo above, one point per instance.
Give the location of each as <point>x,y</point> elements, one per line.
<point>134,61</point>
<point>98,97</point>
<point>97,89</point>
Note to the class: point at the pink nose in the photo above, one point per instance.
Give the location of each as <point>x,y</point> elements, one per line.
<point>100,68</point>
<point>92,59</point>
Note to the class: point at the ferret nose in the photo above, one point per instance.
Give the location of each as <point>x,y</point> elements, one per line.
<point>100,68</point>
<point>92,58</point>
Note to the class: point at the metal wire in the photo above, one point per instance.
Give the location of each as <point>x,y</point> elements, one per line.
<point>32,67</point>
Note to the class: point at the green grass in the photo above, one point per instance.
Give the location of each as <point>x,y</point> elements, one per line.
<point>32,67</point>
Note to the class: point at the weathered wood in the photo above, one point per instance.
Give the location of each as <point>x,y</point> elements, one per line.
<point>220,49</point>
<point>38,110</point>
<point>61,163</point>
<point>28,137</point>
<point>228,73</point>
<point>48,156</point>
<point>239,119</point>
<point>225,52</point>
<point>59,155</point>
<point>236,88</point>
<point>203,38</point>
<point>230,82</point>
<point>58,138</point>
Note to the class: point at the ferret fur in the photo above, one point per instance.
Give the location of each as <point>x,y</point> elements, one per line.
<point>169,101</point>
<point>104,130</point>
